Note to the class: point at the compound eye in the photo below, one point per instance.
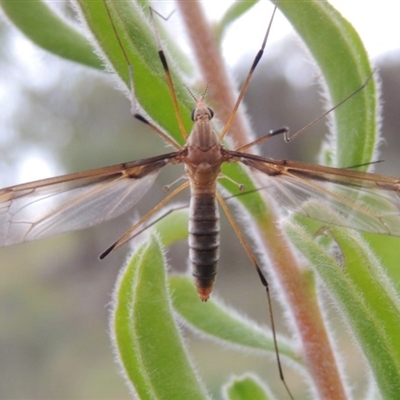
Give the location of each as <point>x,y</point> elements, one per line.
<point>211,111</point>
<point>192,114</point>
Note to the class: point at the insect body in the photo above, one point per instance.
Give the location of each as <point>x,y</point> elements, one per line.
<point>203,166</point>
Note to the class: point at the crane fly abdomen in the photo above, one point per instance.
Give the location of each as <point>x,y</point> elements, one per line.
<point>204,241</point>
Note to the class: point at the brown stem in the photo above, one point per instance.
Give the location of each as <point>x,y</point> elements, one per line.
<point>299,295</point>
<point>223,95</point>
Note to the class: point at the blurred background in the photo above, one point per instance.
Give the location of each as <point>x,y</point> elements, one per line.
<point>57,117</point>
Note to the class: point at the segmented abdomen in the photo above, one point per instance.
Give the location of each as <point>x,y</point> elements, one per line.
<point>204,241</point>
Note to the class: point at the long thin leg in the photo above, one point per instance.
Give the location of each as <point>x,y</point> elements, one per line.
<point>164,63</point>
<point>134,108</point>
<point>158,219</point>
<point>128,234</point>
<point>285,131</point>
<point>264,282</point>
<point>269,135</point>
<point>249,76</point>
<point>323,115</point>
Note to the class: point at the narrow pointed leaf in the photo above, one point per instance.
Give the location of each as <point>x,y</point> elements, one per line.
<point>147,341</point>
<point>217,322</point>
<point>365,297</point>
<point>345,67</point>
<point>44,27</point>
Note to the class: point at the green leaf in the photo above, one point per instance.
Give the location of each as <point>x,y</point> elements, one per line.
<point>246,387</point>
<point>365,296</point>
<point>212,318</point>
<point>147,341</point>
<point>220,323</point>
<point>45,28</point>
<point>343,61</point>
<point>141,53</point>
<point>173,226</point>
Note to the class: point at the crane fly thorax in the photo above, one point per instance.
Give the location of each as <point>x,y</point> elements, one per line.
<point>203,167</point>
<point>203,149</point>
<point>203,136</point>
<point>204,157</point>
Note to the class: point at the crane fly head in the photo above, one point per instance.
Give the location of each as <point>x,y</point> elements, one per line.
<point>202,112</point>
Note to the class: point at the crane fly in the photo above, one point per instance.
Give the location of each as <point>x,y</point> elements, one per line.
<point>32,211</point>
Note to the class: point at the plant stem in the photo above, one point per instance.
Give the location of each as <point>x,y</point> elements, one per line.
<point>297,293</point>
<point>223,94</point>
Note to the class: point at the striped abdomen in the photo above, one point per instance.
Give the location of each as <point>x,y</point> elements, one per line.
<point>204,241</point>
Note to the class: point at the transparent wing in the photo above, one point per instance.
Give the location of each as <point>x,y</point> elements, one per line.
<point>368,202</point>
<point>48,207</point>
